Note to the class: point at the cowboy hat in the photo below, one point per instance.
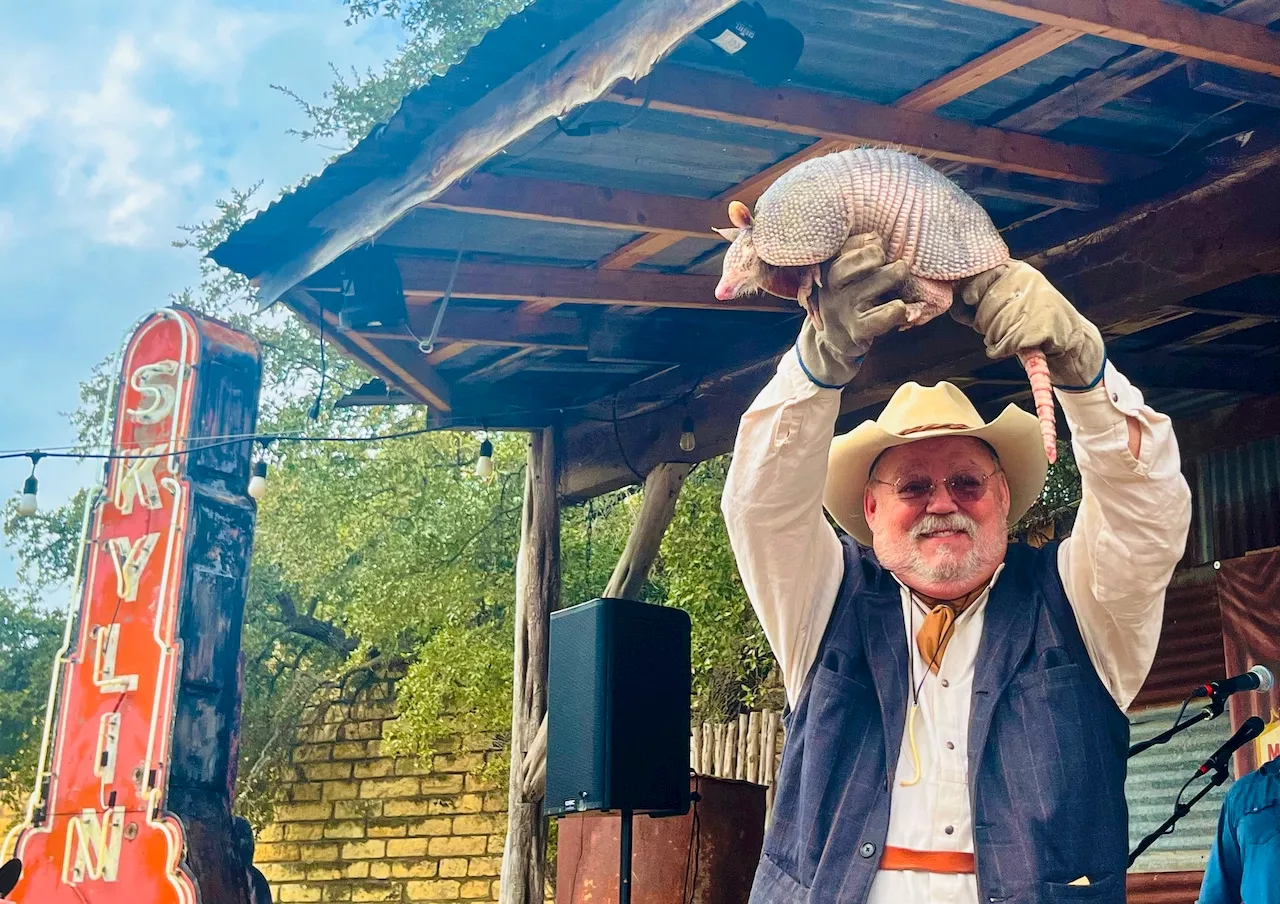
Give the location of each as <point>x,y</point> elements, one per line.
<point>918,412</point>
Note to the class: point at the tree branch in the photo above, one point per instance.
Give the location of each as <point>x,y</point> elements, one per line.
<point>326,632</point>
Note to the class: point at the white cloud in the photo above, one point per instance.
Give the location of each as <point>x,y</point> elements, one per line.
<point>208,40</point>
<point>124,157</point>
<point>22,102</point>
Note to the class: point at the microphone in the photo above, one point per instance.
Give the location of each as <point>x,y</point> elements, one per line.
<point>1258,678</point>
<point>1251,728</point>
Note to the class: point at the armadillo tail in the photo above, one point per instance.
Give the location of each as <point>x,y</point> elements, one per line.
<point>1037,368</point>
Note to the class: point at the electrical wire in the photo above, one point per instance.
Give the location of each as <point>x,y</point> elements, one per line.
<point>1195,128</point>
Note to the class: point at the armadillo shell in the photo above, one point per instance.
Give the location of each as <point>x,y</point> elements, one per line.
<point>806,215</point>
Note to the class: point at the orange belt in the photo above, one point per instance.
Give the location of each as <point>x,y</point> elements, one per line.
<point>926,861</point>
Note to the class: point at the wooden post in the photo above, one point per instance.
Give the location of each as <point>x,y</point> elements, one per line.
<point>537,594</point>
<point>661,488</point>
<point>753,747</point>
<point>741,773</point>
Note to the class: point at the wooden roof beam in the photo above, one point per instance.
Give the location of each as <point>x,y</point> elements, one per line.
<point>990,66</point>
<point>408,368</point>
<point>1154,24</point>
<point>425,278</point>
<point>573,204</point>
<point>925,99</point>
<point>1120,77</point>
<point>855,122</point>
<point>510,329</point>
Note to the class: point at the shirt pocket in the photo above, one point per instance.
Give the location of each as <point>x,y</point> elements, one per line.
<point>1260,828</point>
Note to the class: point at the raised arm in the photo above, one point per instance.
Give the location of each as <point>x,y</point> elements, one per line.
<point>1135,509</point>
<point>788,555</point>
<point>1130,530</point>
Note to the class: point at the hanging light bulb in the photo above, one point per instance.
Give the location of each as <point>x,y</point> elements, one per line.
<point>28,504</point>
<point>687,440</point>
<point>258,482</point>
<point>484,464</point>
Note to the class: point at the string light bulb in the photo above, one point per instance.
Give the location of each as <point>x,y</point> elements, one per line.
<point>258,482</point>
<point>688,441</point>
<point>484,464</point>
<point>27,503</point>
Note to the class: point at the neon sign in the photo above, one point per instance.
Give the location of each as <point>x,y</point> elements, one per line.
<point>133,797</point>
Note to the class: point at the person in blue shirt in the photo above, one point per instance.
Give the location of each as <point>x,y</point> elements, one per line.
<point>1244,862</point>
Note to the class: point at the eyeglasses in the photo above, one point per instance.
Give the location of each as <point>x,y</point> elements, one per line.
<point>965,487</point>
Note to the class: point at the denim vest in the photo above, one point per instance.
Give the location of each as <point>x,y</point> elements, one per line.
<point>1047,749</point>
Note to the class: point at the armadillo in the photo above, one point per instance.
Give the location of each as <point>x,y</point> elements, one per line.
<point>808,213</point>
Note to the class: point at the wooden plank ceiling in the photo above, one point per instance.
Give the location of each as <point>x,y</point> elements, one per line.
<point>550,323</point>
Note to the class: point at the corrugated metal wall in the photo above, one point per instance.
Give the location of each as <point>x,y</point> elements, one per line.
<point>1164,888</point>
<point>1190,651</point>
<point>1236,501</point>
<point>1155,775</point>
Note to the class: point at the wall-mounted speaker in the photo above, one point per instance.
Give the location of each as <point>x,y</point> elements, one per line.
<point>618,709</point>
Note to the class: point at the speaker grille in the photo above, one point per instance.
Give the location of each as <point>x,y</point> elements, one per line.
<point>618,699</point>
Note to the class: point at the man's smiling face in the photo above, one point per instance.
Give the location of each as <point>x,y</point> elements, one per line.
<point>938,511</point>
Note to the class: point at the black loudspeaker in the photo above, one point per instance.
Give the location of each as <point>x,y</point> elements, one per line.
<point>618,709</point>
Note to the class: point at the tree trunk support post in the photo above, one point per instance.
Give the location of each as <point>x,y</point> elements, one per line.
<point>537,595</point>
<point>661,489</point>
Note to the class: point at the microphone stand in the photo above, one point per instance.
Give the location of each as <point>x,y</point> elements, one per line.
<point>1180,810</point>
<point>1216,706</point>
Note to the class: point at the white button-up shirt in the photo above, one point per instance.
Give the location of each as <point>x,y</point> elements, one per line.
<point>1130,532</point>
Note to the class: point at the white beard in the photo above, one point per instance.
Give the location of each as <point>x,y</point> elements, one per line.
<point>905,558</point>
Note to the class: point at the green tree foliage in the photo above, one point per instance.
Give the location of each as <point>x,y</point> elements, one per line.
<point>29,638</point>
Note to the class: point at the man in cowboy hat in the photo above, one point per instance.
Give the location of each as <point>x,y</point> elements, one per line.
<point>955,726</point>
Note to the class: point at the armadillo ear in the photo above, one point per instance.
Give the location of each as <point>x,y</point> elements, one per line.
<point>729,234</point>
<point>739,215</point>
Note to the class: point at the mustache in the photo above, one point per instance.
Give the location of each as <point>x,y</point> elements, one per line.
<point>955,521</point>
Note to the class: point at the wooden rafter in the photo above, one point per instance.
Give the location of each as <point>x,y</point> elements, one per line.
<point>987,68</point>
<point>727,99</point>
<point>1154,24</point>
<point>1119,77</point>
<point>408,368</point>
<point>422,277</point>
<point>580,205</point>
<point>643,248</point>
<point>471,327</point>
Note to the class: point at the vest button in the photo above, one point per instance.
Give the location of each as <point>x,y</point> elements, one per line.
<point>950,830</point>
<point>951,745</point>
<point>946,683</point>
<point>867,849</point>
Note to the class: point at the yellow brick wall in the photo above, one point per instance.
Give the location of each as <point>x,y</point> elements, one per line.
<point>354,825</point>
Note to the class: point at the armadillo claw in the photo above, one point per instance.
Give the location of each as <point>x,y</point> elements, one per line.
<point>1037,368</point>
<point>815,314</point>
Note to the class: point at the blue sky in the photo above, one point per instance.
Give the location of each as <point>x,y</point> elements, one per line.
<point>118,123</point>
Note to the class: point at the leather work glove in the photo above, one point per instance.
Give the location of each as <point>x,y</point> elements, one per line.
<point>853,284</point>
<point>1015,308</point>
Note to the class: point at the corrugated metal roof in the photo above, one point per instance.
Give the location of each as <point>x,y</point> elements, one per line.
<point>1155,777</point>
<point>876,50</point>
<point>506,238</point>
<point>1236,500</point>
